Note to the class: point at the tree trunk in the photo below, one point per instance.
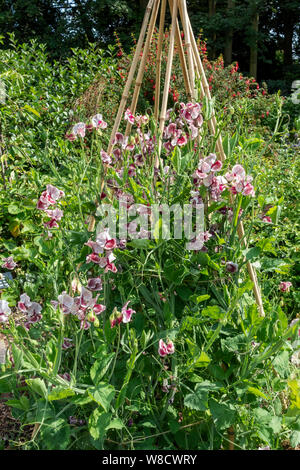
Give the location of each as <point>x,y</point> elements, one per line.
<point>143,4</point>
<point>253,47</point>
<point>289,25</point>
<point>229,35</point>
<point>211,13</point>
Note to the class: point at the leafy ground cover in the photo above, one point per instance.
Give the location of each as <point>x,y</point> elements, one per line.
<point>141,343</point>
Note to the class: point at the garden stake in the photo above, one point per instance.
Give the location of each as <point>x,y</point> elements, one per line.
<point>167,81</point>
<point>187,41</point>
<point>194,66</point>
<point>130,76</point>
<point>182,57</point>
<point>219,144</point>
<point>159,51</point>
<point>141,71</point>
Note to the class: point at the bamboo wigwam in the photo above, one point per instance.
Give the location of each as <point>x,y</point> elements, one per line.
<point>192,68</point>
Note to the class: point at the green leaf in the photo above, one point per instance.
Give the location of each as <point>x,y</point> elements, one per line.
<point>258,393</point>
<point>222,413</point>
<point>198,400</point>
<point>295,438</point>
<point>101,366</point>
<point>281,364</point>
<point>252,253</point>
<point>17,356</point>
<point>20,405</point>
<point>14,209</point>
<point>98,422</point>
<point>60,393</point>
<point>199,298</point>
<point>103,394</point>
<point>29,108</point>
<point>213,312</point>
<point>55,435</point>
<point>38,386</point>
<point>116,423</point>
<point>144,244</point>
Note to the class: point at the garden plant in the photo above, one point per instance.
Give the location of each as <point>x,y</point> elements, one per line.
<point>124,325</point>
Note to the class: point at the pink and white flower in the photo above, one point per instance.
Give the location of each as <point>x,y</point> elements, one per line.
<point>165,348</point>
<point>95,284</point>
<point>285,286</point>
<point>79,129</point>
<point>9,263</point>
<point>98,122</point>
<point>127,313</point>
<point>5,311</point>
<point>129,116</point>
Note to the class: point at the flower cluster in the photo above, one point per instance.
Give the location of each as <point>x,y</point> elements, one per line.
<point>84,307</point>
<point>185,126</point>
<point>32,310</point>
<point>5,311</point>
<point>165,348</point>
<point>285,286</point>
<point>240,182</point>
<point>205,175</point>
<point>236,180</point>
<point>103,245</point>
<point>9,263</point>
<point>47,199</point>
<point>79,129</point>
<point>121,317</point>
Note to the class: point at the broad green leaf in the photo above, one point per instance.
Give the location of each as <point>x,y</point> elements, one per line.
<point>101,366</point>
<point>98,422</point>
<point>17,356</point>
<point>224,414</point>
<point>196,400</point>
<point>116,423</point>
<point>103,394</point>
<point>38,386</point>
<point>60,393</point>
<point>258,393</point>
<point>34,111</point>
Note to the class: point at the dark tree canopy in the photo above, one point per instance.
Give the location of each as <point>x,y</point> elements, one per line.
<point>263,36</point>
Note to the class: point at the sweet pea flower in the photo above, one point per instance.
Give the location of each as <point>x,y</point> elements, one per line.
<point>106,159</point>
<point>95,284</point>
<point>127,313</point>
<point>162,348</point>
<point>66,303</point>
<point>232,267</point>
<point>165,348</point>
<point>24,303</point>
<point>129,116</point>
<point>98,308</point>
<point>115,318</point>
<point>32,309</point>
<point>67,343</point>
<point>285,286</point>
<point>9,263</point>
<point>170,347</point>
<point>79,129</point>
<point>49,197</point>
<point>98,122</point>
<point>5,311</point>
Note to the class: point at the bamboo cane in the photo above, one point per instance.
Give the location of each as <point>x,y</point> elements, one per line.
<point>204,84</point>
<point>139,79</point>
<point>187,36</point>
<point>252,273</point>
<point>167,81</point>
<point>159,58</point>
<point>130,75</point>
<point>182,57</point>
<point>213,125</point>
